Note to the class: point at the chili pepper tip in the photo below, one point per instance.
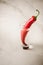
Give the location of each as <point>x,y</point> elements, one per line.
<point>25,48</point>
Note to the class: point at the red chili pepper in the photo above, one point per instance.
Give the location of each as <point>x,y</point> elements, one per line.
<point>24,31</point>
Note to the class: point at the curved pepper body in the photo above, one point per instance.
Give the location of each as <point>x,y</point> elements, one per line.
<point>25,28</point>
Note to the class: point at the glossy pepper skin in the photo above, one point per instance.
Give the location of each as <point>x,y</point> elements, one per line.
<point>30,22</point>
<point>23,36</point>
<point>25,28</point>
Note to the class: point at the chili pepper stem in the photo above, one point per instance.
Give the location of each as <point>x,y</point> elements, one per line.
<point>37,13</point>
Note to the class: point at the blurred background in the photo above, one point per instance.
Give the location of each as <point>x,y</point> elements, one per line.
<point>13,15</point>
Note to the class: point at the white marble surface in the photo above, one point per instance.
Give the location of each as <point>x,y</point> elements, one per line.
<point>13,14</point>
